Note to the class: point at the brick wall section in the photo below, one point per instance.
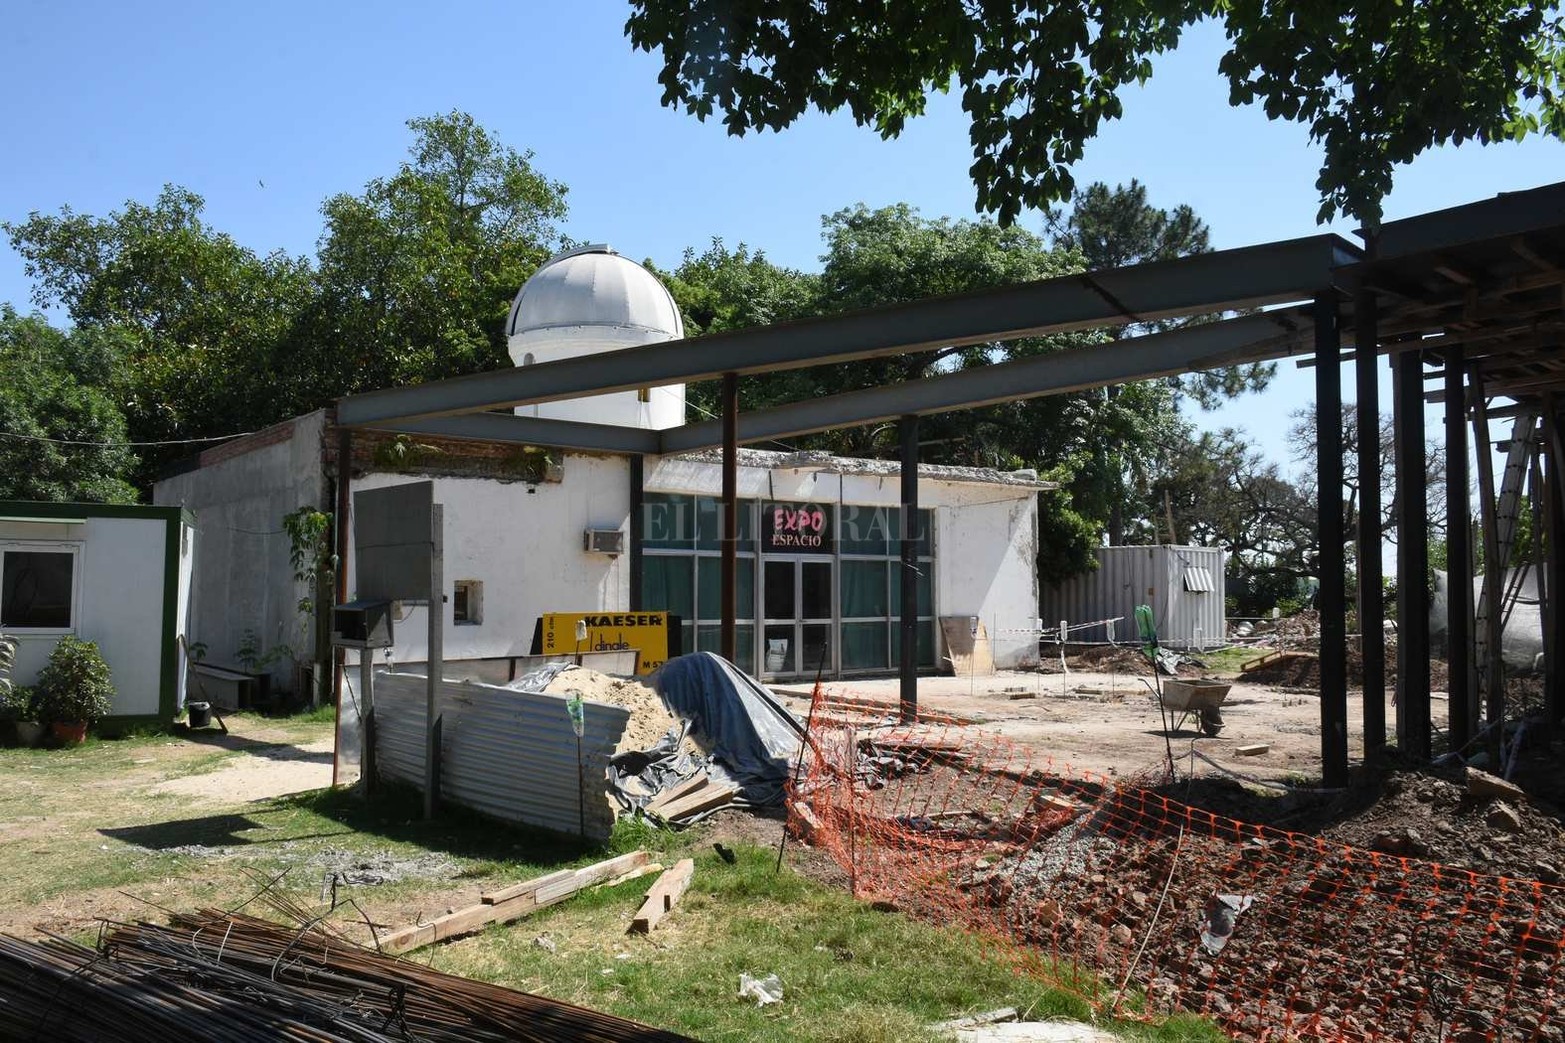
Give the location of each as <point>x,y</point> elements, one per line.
<point>441,457</point>
<point>248,444</point>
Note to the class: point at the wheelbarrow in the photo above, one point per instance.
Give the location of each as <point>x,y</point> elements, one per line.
<point>1199,701</point>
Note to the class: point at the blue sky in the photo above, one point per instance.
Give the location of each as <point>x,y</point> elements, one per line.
<point>267,109</point>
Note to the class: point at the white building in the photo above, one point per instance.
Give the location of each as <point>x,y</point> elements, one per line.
<point>817,583</point>
<point>119,576</point>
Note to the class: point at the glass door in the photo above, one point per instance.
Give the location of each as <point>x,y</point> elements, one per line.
<point>799,598</point>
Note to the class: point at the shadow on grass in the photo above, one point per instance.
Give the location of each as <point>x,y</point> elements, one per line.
<point>277,751</point>
<point>396,814</point>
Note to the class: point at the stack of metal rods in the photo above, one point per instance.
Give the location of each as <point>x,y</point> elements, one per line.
<point>220,976</point>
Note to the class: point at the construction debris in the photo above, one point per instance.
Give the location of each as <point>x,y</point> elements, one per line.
<point>1253,750</point>
<point>662,895</point>
<point>511,903</point>
<point>1484,786</point>
<point>215,975</point>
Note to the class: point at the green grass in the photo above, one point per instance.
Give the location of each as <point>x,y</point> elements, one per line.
<point>82,827</point>
<point>1226,661</point>
<point>849,972</point>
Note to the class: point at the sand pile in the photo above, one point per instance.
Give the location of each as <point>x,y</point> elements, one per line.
<point>649,718</point>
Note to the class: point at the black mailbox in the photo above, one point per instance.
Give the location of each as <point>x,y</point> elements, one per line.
<point>362,624</point>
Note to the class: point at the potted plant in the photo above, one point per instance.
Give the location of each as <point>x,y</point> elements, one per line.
<point>74,689</point>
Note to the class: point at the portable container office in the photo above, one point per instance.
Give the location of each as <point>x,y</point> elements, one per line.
<point>1183,585</point>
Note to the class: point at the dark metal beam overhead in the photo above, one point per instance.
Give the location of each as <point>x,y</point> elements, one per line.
<point>1248,277</point>
<point>1511,213</point>
<point>529,430</point>
<point>1251,338</point>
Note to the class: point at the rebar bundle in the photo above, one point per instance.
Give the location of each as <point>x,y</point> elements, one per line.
<point>228,977</point>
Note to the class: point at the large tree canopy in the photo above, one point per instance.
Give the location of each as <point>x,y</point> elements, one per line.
<point>1376,83</point>
<point>54,406</point>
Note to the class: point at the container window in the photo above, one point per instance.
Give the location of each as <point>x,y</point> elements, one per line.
<point>36,592</point>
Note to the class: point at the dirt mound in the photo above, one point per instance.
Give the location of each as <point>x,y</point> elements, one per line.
<point>1302,670</point>
<point>649,718</point>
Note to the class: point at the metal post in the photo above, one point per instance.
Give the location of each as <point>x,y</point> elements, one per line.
<point>730,534</point>
<point>1554,570</point>
<point>1462,701</point>
<point>367,718</point>
<point>436,665</point>
<point>1333,592</point>
<point>1412,500</point>
<point>638,521</point>
<point>1492,669</point>
<point>1371,595</point>
<point>907,663</point>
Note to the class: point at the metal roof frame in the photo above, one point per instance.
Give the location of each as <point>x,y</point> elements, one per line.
<point>1254,276</point>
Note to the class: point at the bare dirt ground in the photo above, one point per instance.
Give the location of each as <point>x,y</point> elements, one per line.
<point>260,770</point>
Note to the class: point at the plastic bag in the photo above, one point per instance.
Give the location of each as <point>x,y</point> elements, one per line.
<point>762,990</point>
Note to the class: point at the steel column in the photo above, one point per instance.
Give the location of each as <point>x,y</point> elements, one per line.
<point>730,533</point>
<point>1554,570</point>
<point>435,667</point>
<point>1333,594</point>
<point>638,527</point>
<point>1412,500</point>
<point>907,661</point>
<point>1492,669</point>
<point>340,589</point>
<point>1371,595</point>
<point>1462,703</point>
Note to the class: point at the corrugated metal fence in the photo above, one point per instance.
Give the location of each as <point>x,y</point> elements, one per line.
<point>508,754</point>
<point>1184,586</point>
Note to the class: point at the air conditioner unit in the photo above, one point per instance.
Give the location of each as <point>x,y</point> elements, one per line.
<point>603,541</point>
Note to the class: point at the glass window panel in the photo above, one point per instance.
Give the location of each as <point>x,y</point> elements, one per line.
<point>668,521</point>
<point>711,639</point>
<point>36,589</point>
<point>925,535</point>
<point>815,649</point>
<point>779,590</point>
<point>926,643</point>
<point>864,646</point>
<point>779,649</point>
<point>709,593</point>
<point>709,523</point>
<point>865,530</point>
<point>864,590</point>
<point>668,584</point>
<point>816,587</point>
<point>925,589</point>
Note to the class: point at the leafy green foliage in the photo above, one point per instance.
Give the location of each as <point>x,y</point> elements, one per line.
<point>208,338</point>
<point>75,684</point>
<point>60,386</point>
<point>1375,83</point>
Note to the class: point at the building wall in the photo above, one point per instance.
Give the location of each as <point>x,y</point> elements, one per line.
<point>121,587</point>
<point>524,543</point>
<point>986,536</point>
<point>243,580</point>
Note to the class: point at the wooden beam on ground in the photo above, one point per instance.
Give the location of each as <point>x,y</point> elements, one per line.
<point>662,895</point>
<point>707,798</point>
<point>511,903</point>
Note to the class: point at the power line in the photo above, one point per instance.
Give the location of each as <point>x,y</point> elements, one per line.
<point>122,445</point>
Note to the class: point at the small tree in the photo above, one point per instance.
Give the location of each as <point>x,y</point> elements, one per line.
<point>75,684</point>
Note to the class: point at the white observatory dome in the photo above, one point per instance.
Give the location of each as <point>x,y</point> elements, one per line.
<point>594,286</point>
<point>587,301</point>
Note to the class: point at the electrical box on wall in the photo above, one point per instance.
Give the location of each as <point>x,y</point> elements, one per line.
<point>603,541</point>
<point>362,624</point>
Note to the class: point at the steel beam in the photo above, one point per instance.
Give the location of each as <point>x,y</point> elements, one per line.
<point>907,660</point>
<point>1333,595</point>
<point>730,535</point>
<point>1249,277</point>
<point>1462,704</point>
<point>529,430</point>
<point>1412,500</point>
<point>1252,338</point>
<point>1510,213</point>
<point>1371,595</point>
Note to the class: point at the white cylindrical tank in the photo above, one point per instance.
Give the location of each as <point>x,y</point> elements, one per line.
<point>591,300</point>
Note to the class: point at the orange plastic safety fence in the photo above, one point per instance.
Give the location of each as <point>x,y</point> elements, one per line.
<point>1147,906</point>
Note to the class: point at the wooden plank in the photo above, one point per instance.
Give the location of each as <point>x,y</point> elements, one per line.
<point>625,878</point>
<point>505,894</point>
<point>528,897</point>
<point>1253,750</point>
<point>589,875</point>
<point>662,895</point>
<point>705,799</point>
<point>677,793</point>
